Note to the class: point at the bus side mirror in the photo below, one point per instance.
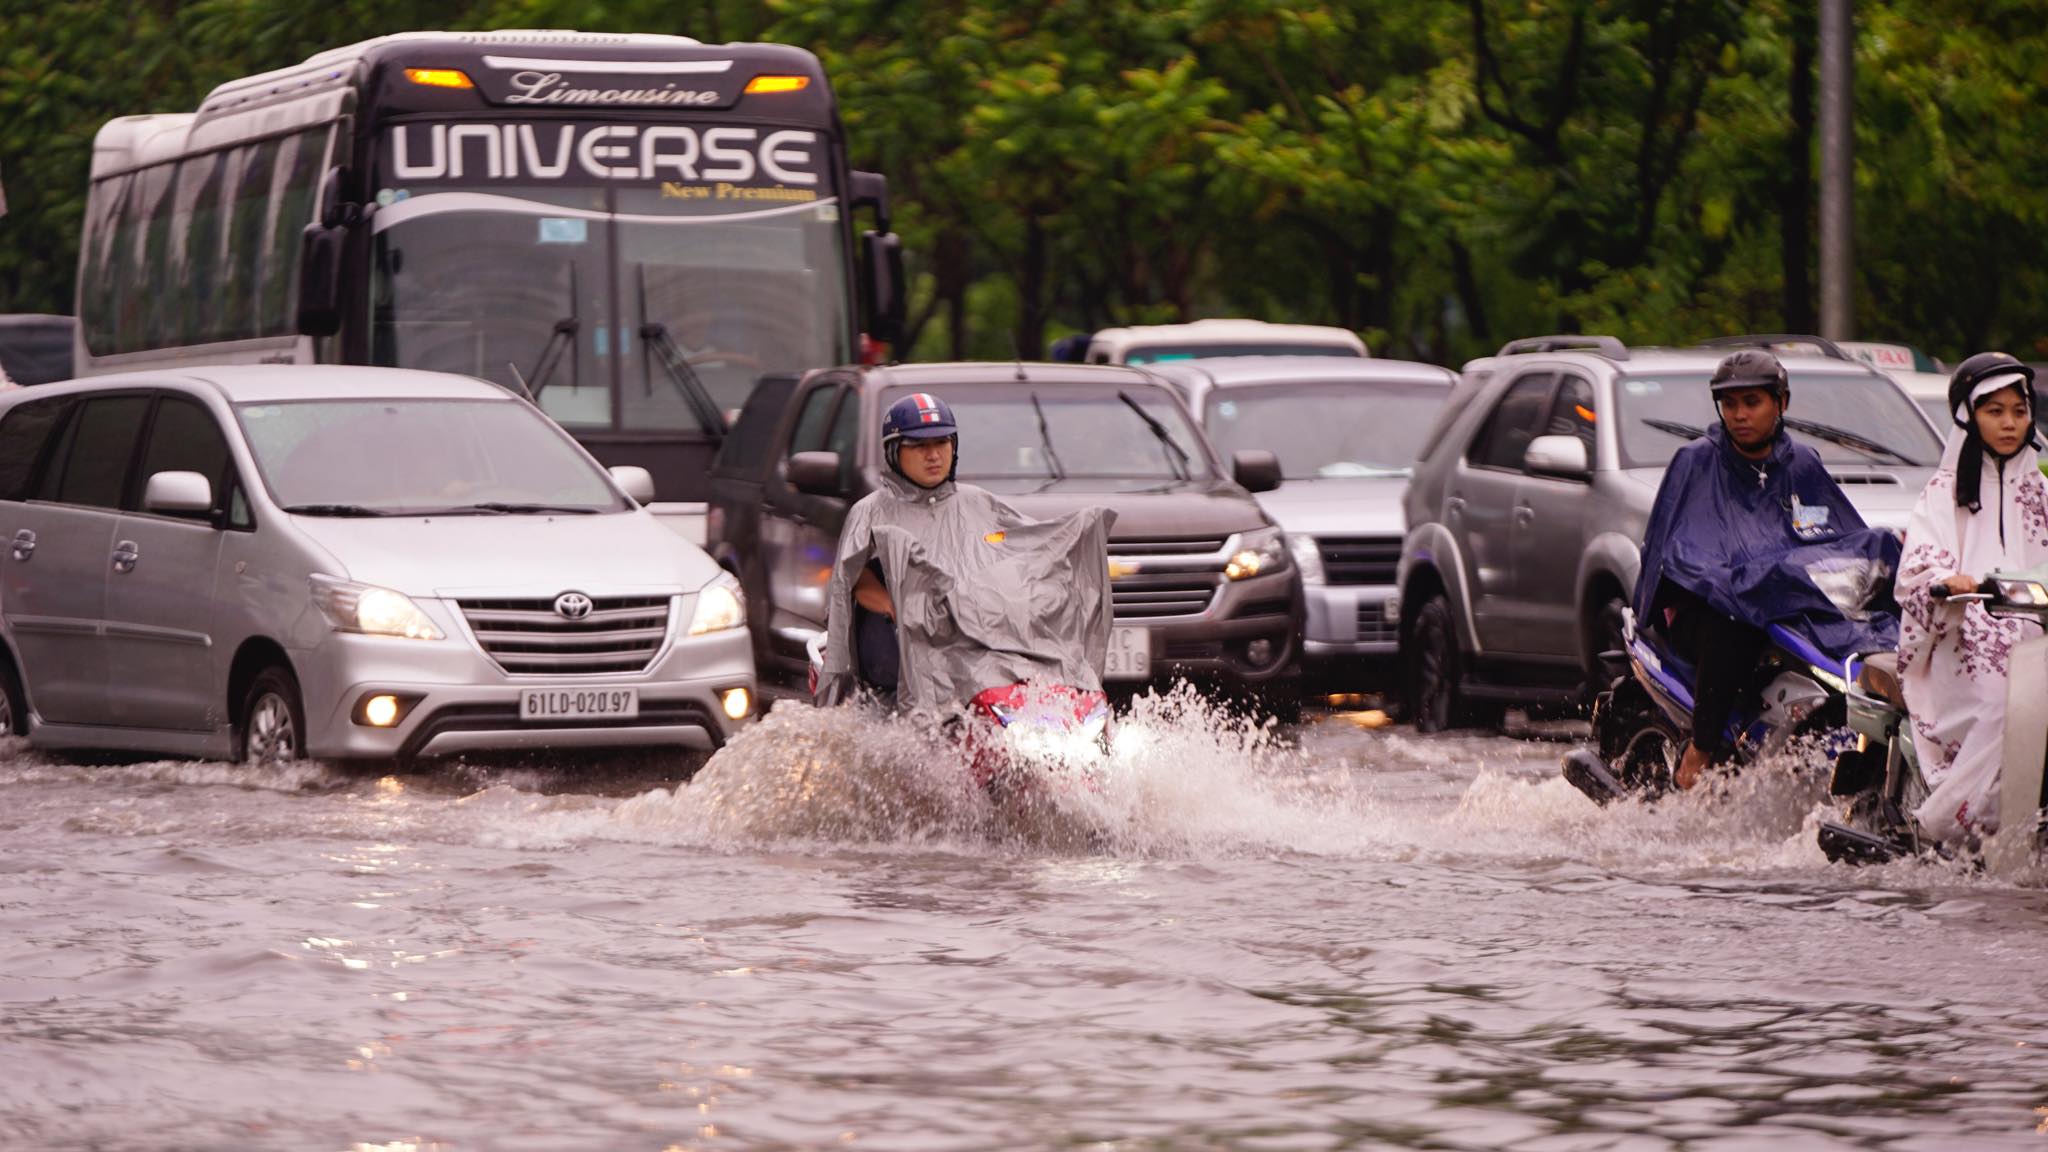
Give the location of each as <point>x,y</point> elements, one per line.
<point>320,280</point>
<point>882,268</point>
<point>871,190</point>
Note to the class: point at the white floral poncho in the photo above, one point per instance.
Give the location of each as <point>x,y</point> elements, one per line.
<point>1952,657</point>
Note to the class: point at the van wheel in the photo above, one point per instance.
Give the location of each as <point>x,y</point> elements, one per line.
<point>13,702</point>
<point>273,721</point>
<point>1433,669</point>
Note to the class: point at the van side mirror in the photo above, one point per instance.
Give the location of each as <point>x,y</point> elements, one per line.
<point>178,494</point>
<point>320,280</point>
<point>635,481</point>
<point>882,269</point>
<point>816,474</point>
<point>1255,471</point>
<point>1560,456</point>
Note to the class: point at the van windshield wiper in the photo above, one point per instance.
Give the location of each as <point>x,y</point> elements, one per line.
<point>1179,459</point>
<point>1682,431</point>
<point>336,510</point>
<point>1847,439</point>
<point>514,508</point>
<point>1052,458</point>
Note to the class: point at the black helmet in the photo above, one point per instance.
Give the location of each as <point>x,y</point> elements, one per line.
<point>1980,376</point>
<point>1749,368</point>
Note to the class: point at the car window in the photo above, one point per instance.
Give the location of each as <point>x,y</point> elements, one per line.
<point>184,437</point>
<point>1354,429</point>
<point>813,420</point>
<point>845,438</point>
<point>23,436</point>
<point>1515,420</point>
<point>1847,418</point>
<point>95,466</point>
<point>1137,432</point>
<point>1573,414</point>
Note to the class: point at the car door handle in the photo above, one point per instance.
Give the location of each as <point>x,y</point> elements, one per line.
<point>125,556</point>
<point>24,545</point>
<point>1455,506</point>
<point>1525,515</point>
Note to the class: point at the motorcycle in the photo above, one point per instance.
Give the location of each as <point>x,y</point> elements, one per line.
<point>1883,786</point>
<point>1016,735</point>
<point>1642,723</point>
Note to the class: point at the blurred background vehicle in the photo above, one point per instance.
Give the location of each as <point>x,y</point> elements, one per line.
<point>1202,583</point>
<point>1526,513</point>
<point>1200,339</point>
<point>1344,431</point>
<point>35,348</point>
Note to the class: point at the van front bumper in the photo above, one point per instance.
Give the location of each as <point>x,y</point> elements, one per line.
<point>454,699</point>
<point>1352,620</point>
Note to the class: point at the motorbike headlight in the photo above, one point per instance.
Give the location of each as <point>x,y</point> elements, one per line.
<point>719,607</point>
<point>1307,557</point>
<point>374,611</point>
<point>2026,593</point>
<point>1257,553</point>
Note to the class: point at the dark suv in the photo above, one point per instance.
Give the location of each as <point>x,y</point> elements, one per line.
<point>1202,583</point>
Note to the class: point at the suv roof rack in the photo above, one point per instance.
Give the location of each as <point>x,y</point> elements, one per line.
<point>1606,346</point>
<point>1772,341</point>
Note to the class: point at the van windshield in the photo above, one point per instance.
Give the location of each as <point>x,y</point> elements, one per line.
<point>401,457</point>
<point>1320,431</point>
<point>1847,419</point>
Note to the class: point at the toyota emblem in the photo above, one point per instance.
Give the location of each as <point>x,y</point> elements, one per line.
<point>572,605</point>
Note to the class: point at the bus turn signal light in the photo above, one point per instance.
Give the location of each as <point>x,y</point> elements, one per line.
<point>439,77</point>
<point>761,84</point>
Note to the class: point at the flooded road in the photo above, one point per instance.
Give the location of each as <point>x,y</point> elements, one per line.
<point>1354,939</point>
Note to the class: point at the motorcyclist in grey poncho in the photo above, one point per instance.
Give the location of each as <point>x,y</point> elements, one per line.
<point>941,591</point>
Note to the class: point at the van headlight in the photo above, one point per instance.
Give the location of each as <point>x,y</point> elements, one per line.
<point>371,610</point>
<point>719,607</point>
<point>1307,557</point>
<point>1257,552</point>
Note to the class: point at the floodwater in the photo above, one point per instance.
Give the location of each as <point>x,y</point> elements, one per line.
<point>1343,938</point>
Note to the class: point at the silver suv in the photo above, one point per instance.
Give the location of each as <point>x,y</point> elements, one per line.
<point>1527,510</point>
<point>1343,430</point>
<point>343,562</point>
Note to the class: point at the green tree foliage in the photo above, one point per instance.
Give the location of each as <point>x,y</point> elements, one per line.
<point>1440,175</point>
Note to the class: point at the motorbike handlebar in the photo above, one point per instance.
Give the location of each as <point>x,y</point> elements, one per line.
<point>1986,590</point>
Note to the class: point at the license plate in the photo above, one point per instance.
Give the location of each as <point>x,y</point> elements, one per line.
<point>579,704</point>
<point>1130,654</point>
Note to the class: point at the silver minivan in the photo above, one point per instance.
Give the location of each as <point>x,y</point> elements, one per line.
<point>273,562</point>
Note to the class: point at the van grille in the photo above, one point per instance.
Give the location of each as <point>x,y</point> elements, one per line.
<point>1374,627</point>
<point>1150,596</point>
<point>1359,559</point>
<point>621,634</point>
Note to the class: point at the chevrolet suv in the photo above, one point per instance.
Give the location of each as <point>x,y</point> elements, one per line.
<point>1527,510</point>
<point>1201,581</point>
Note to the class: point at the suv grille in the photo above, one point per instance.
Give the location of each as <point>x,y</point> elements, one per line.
<point>621,634</point>
<point>1154,595</point>
<point>1359,559</point>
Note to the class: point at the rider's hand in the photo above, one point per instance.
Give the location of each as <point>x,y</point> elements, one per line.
<point>1961,585</point>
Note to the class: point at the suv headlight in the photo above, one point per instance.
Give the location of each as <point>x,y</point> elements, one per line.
<point>374,611</point>
<point>719,607</point>
<point>1259,552</point>
<point>1307,557</point>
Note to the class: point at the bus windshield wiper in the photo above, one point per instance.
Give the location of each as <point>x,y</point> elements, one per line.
<point>336,510</point>
<point>656,336</point>
<point>1052,458</point>
<point>1847,439</point>
<point>1179,459</point>
<point>1682,431</point>
<point>561,340</point>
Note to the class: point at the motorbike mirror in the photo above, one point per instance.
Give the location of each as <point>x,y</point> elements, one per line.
<point>1562,456</point>
<point>816,474</point>
<point>1255,471</point>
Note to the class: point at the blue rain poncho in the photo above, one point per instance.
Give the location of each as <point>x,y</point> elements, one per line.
<point>1769,542</point>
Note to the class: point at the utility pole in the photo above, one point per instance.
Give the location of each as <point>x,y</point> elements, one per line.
<point>1837,171</point>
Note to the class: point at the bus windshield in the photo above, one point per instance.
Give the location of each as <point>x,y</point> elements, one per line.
<point>646,306</point>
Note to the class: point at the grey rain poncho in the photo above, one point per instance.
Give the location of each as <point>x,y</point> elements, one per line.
<point>984,597</point>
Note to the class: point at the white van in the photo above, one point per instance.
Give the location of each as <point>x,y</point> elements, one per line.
<point>1154,343</point>
<point>273,562</point>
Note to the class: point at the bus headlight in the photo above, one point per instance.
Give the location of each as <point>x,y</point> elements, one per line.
<point>373,611</point>
<point>1257,552</point>
<point>719,607</point>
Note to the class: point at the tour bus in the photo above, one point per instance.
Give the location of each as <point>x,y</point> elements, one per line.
<point>630,229</point>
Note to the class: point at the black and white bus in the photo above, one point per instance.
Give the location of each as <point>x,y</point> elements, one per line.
<point>632,229</point>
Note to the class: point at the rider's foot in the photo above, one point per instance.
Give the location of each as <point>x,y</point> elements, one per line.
<point>1691,767</point>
